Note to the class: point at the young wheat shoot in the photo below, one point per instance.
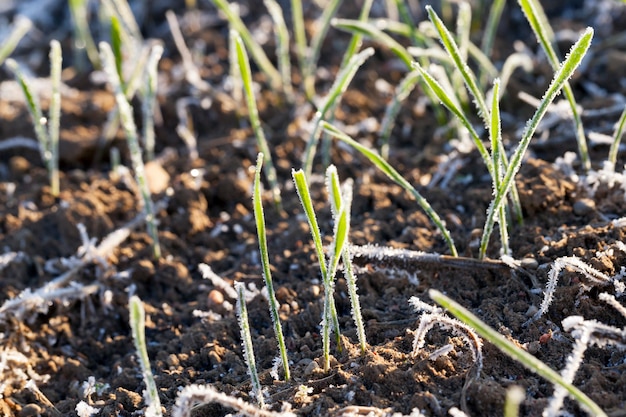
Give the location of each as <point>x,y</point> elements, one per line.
<point>341,198</point>
<point>388,170</point>
<point>259,218</point>
<point>572,61</point>
<point>302,190</point>
<point>253,114</point>
<point>539,23</point>
<point>137,325</point>
<point>126,117</point>
<point>248,350</point>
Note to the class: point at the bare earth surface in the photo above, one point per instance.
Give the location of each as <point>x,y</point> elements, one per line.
<point>206,217</point>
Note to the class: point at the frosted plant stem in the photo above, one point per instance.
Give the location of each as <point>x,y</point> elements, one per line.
<point>566,70</point>
<point>246,338</point>
<point>305,199</point>
<point>56,61</point>
<point>137,325</point>
<point>128,123</point>
<point>149,99</point>
<point>617,138</point>
<point>255,121</point>
<point>386,168</point>
<point>343,199</point>
<point>21,26</point>
<point>259,218</point>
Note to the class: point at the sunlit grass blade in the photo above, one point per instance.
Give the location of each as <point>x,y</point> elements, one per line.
<point>495,136</point>
<point>299,33</point>
<point>340,85</point>
<point>248,349</point>
<point>461,65</point>
<point>259,218</point>
<point>515,352</point>
<point>116,47</point>
<point>149,99</point>
<point>617,138</point>
<point>353,47</point>
<point>21,26</point>
<point>539,23</point>
<point>130,129</point>
<point>372,32</point>
<point>83,38</point>
<point>56,64</point>
<point>253,114</point>
<point>138,325</point>
<point>388,170</point>
<point>489,34</point>
<point>393,108</point>
<point>343,198</point>
<point>323,25</point>
<point>255,49</point>
<point>573,59</point>
<point>282,45</point>
<point>302,189</point>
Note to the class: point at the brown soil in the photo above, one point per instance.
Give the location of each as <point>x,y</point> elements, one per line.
<point>206,217</point>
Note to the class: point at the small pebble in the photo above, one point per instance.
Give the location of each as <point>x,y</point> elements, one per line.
<point>216,298</point>
<point>310,368</point>
<point>157,177</point>
<point>530,263</point>
<point>584,206</point>
<point>19,165</point>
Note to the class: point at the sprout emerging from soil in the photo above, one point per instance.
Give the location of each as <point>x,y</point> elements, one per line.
<point>265,263</point>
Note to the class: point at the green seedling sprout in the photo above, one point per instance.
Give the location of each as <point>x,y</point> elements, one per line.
<point>335,93</point>
<point>282,46</point>
<point>515,352</point>
<point>351,50</point>
<point>265,263</point>
<point>310,63</point>
<point>573,59</point>
<point>248,350</point>
<point>302,189</point>
<point>514,397</point>
<point>299,33</point>
<point>388,170</point>
<point>617,138</point>
<point>253,114</point>
<point>393,108</point>
<point>130,129</point>
<point>489,35</point>
<point>137,325</point>
<point>255,49</point>
<point>82,35</point>
<point>343,199</point>
<point>21,26</point>
<point>149,99</point>
<point>48,138</point>
<point>539,23</point>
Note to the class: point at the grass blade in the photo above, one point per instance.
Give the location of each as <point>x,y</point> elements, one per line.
<point>323,24</point>
<point>248,349</point>
<point>372,32</point>
<point>282,46</point>
<point>514,352</point>
<point>259,218</point>
<point>78,10</point>
<point>299,32</point>
<point>138,325</point>
<point>253,114</point>
<point>130,129</point>
<point>573,59</point>
<point>149,99</point>
<point>56,64</point>
<point>492,26</point>
<point>340,85</point>
<point>468,76</point>
<point>302,189</point>
<point>539,23</point>
<point>255,49</point>
<point>388,170</point>
<point>21,26</point>
<point>617,138</point>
